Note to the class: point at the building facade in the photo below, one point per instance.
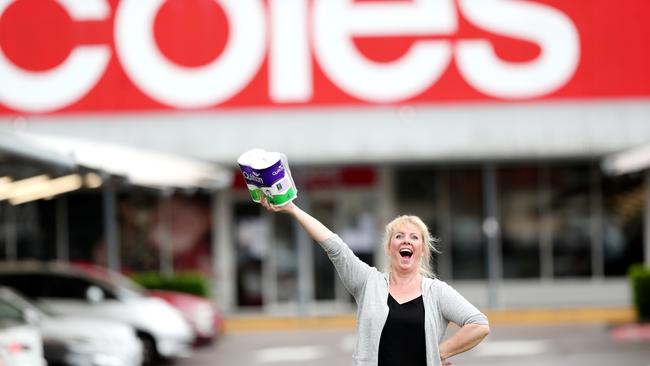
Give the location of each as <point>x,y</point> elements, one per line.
<point>490,120</point>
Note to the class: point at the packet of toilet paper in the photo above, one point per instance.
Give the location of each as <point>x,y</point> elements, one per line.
<point>268,173</point>
<point>252,178</point>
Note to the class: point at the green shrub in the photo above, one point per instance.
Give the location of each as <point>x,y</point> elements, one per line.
<point>187,282</point>
<point>640,282</point>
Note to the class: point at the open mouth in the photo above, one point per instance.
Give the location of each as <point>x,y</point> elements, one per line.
<point>406,253</point>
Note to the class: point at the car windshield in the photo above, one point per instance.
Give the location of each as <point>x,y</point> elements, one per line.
<point>125,286</point>
<point>122,285</point>
<point>12,297</point>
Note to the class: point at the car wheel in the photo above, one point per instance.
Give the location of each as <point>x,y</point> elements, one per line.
<point>149,352</point>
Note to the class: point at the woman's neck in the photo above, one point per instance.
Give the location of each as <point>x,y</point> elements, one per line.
<point>405,279</point>
<point>405,286</point>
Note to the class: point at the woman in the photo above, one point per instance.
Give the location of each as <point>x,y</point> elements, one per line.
<point>402,315</point>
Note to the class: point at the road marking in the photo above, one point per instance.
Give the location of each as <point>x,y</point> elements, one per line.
<point>348,343</point>
<point>291,354</point>
<point>513,348</point>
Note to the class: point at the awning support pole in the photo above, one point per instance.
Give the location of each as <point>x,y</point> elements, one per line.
<point>62,234</point>
<point>110,225</point>
<point>646,219</point>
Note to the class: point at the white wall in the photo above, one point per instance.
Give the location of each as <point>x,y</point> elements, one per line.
<point>374,134</point>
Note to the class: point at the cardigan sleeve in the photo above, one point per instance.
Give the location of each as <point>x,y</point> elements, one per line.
<point>455,308</point>
<point>353,271</point>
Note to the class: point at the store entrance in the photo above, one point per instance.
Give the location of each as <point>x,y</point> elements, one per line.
<point>352,215</point>
<point>268,252</point>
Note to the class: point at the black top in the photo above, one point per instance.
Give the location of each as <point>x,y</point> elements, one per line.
<point>402,341</point>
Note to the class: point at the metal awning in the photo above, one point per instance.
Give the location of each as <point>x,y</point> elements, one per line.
<point>138,166</point>
<point>627,161</point>
<point>12,144</point>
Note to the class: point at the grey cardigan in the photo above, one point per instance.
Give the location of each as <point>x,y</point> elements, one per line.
<point>369,287</point>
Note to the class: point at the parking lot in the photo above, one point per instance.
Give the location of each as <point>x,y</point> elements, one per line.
<point>576,345</point>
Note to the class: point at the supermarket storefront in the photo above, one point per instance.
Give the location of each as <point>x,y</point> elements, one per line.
<point>488,119</point>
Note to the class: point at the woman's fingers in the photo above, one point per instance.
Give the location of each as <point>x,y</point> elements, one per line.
<point>284,208</point>
<point>265,203</point>
<point>268,205</point>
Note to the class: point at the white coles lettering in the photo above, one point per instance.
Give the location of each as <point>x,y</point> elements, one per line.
<point>290,71</point>
<point>190,87</point>
<point>295,36</point>
<point>44,91</point>
<point>337,21</point>
<point>547,27</point>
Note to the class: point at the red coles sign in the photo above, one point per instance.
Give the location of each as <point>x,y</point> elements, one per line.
<point>110,55</point>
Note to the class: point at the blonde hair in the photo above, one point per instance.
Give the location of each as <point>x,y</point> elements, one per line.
<point>429,242</point>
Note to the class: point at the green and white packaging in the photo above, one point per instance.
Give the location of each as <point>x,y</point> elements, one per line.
<point>268,173</point>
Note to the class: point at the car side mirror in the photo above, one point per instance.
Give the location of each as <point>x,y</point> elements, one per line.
<point>94,294</point>
<point>31,316</point>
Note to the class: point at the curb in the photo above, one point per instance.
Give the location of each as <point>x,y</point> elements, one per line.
<point>257,323</point>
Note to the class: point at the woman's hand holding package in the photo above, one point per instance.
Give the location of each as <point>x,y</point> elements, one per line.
<point>287,208</point>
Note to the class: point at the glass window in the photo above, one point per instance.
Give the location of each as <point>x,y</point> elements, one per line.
<point>22,235</point>
<point>351,216</point>
<point>10,313</point>
<point>416,188</point>
<point>570,216</point>
<point>468,247</point>
<point>357,224</point>
<point>160,232</point>
<point>285,252</point>
<point>519,215</point>
<point>623,202</point>
<point>416,195</point>
<point>140,232</point>
<point>251,245</point>
<point>86,225</point>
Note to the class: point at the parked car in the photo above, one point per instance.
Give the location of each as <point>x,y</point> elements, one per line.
<point>79,341</point>
<point>20,342</point>
<point>206,321</point>
<point>200,313</point>
<point>66,290</point>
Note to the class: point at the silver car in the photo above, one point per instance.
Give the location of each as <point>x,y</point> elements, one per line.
<point>79,341</point>
<point>68,291</point>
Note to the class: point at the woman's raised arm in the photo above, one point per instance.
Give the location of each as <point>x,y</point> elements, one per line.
<point>314,228</point>
<point>352,271</point>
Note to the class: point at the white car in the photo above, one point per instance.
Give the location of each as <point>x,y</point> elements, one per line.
<point>20,343</point>
<point>79,341</point>
<point>200,313</point>
<point>67,291</point>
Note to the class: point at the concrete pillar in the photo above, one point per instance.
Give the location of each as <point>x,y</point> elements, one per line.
<point>305,248</point>
<point>546,227</point>
<point>387,211</point>
<point>269,263</point>
<point>492,231</point>
<point>223,258</point>
<point>443,215</point>
<point>596,224</point>
<point>166,250</point>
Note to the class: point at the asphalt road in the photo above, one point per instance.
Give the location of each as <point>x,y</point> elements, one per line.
<point>574,345</point>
